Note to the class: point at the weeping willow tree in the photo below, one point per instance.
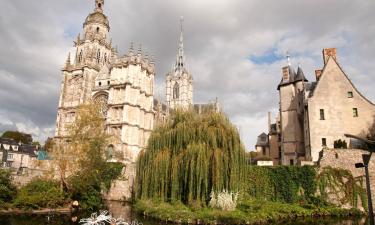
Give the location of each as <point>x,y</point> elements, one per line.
<point>190,156</point>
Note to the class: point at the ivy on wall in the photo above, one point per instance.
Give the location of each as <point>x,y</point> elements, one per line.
<point>305,185</point>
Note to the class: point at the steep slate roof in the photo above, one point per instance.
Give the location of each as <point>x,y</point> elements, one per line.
<point>23,149</point>
<point>292,75</point>
<point>300,75</point>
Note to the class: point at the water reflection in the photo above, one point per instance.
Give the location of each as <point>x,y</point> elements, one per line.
<point>120,210</point>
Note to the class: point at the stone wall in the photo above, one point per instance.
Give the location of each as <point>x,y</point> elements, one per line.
<point>346,159</point>
<point>122,188</point>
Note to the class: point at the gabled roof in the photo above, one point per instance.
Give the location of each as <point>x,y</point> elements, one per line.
<point>331,59</point>
<point>262,140</point>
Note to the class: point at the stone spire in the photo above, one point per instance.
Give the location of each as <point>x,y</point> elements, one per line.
<point>180,59</point>
<point>67,63</point>
<point>99,4</point>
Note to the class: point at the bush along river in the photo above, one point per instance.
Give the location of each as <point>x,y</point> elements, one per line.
<point>125,211</point>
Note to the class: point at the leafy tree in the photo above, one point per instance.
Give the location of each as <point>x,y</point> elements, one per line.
<point>18,136</point>
<point>84,147</point>
<point>79,159</point>
<point>39,194</point>
<point>190,156</point>
<point>7,190</point>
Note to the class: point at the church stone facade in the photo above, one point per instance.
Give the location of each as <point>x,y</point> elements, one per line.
<point>313,115</point>
<point>124,85</point>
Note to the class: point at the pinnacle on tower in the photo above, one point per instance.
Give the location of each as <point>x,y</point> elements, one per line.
<point>140,49</point>
<point>99,5</point>
<point>131,49</point>
<point>67,63</point>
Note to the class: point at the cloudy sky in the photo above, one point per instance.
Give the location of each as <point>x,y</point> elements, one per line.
<point>235,50</point>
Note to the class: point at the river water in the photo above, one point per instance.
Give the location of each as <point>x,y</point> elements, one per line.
<point>124,211</point>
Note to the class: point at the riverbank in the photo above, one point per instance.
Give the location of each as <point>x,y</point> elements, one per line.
<point>14,211</point>
<point>249,212</point>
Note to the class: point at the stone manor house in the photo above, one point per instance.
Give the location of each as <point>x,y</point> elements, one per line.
<point>123,85</point>
<point>313,115</point>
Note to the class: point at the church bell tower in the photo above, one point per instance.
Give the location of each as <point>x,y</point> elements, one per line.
<point>179,81</point>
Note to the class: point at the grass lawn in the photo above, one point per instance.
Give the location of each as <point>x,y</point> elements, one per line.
<point>248,212</point>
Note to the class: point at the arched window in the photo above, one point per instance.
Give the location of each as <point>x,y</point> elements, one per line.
<point>97,30</point>
<point>176,90</point>
<point>80,56</point>
<point>102,100</point>
<point>105,57</point>
<point>109,152</point>
<point>98,56</point>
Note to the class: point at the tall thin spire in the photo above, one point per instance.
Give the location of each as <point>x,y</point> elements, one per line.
<point>180,60</point>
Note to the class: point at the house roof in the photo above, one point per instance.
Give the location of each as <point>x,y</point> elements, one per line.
<point>20,148</point>
<point>262,140</point>
<point>300,75</point>
<point>331,59</point>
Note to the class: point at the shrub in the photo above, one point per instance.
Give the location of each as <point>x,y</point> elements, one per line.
<point>340,144</point>
<point>224,200</point>
<point>7,190</point>
<point>87,186</point>
<point>40,194</point>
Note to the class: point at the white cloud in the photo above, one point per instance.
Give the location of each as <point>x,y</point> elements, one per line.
<point>220,37</point>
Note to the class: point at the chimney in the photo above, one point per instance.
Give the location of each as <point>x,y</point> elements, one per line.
<point>286,73</point>
<point>269,121</point>
<point>329,52</point>
<point>318,73</point>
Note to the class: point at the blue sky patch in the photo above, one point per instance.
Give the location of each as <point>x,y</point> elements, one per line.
<point>268,58</point>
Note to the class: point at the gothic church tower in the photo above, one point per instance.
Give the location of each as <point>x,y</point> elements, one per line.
<point>179,81</point>
<point>123,85</point>
<point>93,51</point>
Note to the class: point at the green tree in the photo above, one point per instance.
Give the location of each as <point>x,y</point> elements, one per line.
<point>190,156</point>
<point>79,159</point>
<point>7,190</point>
<point>18,136</point>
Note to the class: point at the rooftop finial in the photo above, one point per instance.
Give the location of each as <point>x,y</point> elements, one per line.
<point>99,5</point>
<point>288,58</point>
